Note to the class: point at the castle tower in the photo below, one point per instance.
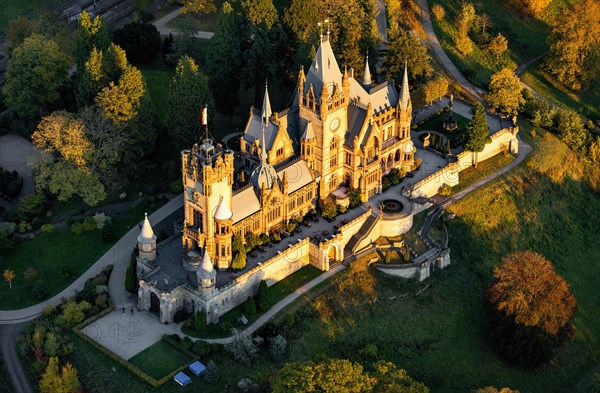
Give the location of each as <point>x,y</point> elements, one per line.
<point>366,82</point>
<point>263,176</point>
<point>404,107</point>
<point>206,275</point>
<point>223,235</point>
<point>147,241</point>
<point>208,180</point>
<point>308,145</point>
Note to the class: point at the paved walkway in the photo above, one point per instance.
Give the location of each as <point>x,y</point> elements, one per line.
<point>442,56</point>
<point>118,256</point>
<point>161,26</point>
<point>16,153</point>
<point>8,347</point>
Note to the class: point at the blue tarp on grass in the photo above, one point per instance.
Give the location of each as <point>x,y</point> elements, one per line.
<point>181,378</point>
<point>197,368</point>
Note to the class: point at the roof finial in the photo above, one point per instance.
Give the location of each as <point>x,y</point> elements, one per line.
<point>367,73</point>
<point>320,30</point>
<point>327,21</point>
<point>266,107</point>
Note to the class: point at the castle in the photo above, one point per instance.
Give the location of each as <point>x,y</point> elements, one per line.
<point>338,134</point>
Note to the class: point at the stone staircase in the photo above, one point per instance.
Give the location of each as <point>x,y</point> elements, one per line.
<point>364,230</point>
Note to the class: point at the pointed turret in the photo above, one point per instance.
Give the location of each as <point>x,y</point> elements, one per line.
<point>147,241</point>
<point>264,174</point>
<point>207,275</point>
<point>223,212</point>
<point>404,92</point>
<point>266,107</point>
<point>367,74</point>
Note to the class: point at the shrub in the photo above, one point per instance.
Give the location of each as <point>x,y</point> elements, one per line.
<point>438,12</point>
<point>242,349</point>
<point>101,300</point>
<point>31,236</point>
<point>200,321</point>
<point>89,224</point>
<point>212,373</point>
<point>47,229</point>
<point>33,205</point>
<point>108,232</point>
<point>76,228</point>
<point>131,282</point>
<point>12,215</point>
<point>277,347</point>
<point>445,190</point>
<point>263,296</point>
<point>7,238</point>
<point>201,348</point>
<point>141,41</point>
<point>100,279</point>
<point>39,290</point>
<point>65,272</point>
<point>101,219</point>
<point>250,306</point>
<point>30,274</point>
<point>186,343</point>
<point>328,209</point>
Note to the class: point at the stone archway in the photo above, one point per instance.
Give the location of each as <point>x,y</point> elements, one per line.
<point>154,303</point>
<point>331,254</point>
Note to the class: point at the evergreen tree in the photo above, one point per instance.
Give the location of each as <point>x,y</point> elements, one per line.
<point>250,306</point>
<point>225,60</point>
<point>263,296</point>
<point>91,33</point>
<point>200,321</point>
<point>212,372</point>
<point>403,47</point>
<point>188,94</point>
<point>477,132</point>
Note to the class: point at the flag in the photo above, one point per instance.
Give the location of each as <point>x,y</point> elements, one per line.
<point>204,116</point>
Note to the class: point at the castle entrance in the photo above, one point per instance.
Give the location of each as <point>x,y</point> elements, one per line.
<point>332,254</point>
<point>154,303</point>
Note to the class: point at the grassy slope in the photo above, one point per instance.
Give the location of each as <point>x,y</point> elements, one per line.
<point>160,359</point>
<point>11,9</point>
<point>47,253</point>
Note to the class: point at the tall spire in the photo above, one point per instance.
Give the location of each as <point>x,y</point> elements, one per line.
<point>404,93</point>
<point>263,149</point>
<point>266,107</point>
<point>367,74</point>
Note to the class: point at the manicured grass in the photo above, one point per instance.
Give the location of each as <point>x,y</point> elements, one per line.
<point>277,292</point>
<point>11,9</point>
<point>47,253</point>
<point>160,359</point>
<point>473,174</point>
<point>455,136</point>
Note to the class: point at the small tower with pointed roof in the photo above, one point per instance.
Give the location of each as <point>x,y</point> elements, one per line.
<point>147,241</point>
<point>308,146</point>
<point>366,82</point>
<point>206,275</point>
<point>404,107</point>
<point>223,235</point>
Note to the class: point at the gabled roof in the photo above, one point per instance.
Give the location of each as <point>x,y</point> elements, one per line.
<point>254,130</point>
<point>298,175</point>
<point>381,97</point>
<point>324,70</point>
<point>245,203</point>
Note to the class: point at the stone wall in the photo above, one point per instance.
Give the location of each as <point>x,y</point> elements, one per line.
<point>503,140</point>
<point>272,271</point>
<point>387,226</point>
<point>422,266</point>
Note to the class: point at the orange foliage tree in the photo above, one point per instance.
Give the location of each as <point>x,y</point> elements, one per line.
<point>527,288</point>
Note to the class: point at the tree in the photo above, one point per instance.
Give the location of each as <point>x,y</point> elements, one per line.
<point>250,306</point>
<point>9,276</point>
<point>225,59</point>
<point>20,28</point>
<point>575,38</point>
<point>390,378</point>
<point>533,307</point>
<point>505,92</point>
<point>91,33</point>
<point>571,129</point>
<point>200,321</point>
<point>52,344</point>
<point>264,301</point>
<point>477,132</point>
<point>277,347</point>
<point>465,19</point>
<point>64,382</point>
<point>438,12</point>
<point>491,389</point>
<point>403,47</point>
<point>498,46</point>
<point>204,6</point>
<point>188,94</point>
<point>242,348</point>
<point>73,313</point>
<point>435,89</point>
<point>120,102</point>
<point>141,41</point>
<point>332,376</point>
<point>260,13</point>
<point>239,253</point>
<point>212,372</point>
<point>35,71</point>
<point>534,7</point>
<point>299,17</point>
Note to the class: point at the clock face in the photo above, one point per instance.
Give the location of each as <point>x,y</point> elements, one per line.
<point>335,123</point>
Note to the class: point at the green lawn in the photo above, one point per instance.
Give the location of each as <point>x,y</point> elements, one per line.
<point>158,79</point>
<point>160,359</point>
<point>473,174</point>
<point>11,9</point>
<point>277,292</point>
<point>47,253</point>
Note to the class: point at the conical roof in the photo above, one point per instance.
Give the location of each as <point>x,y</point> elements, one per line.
<point>404,92</point>
<point>264,173</point>
<point>146,235</point>
<point>309,133</point>
<point>266,107</point>
<point>367,74</point>
<point>207,269</point>
<point>223,212</point>
<point>324,70</point>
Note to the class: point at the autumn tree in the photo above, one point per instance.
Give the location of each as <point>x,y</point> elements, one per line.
<point>477,132</point>
<point>571,130</point>
<point>498,46</point>
<point>491,389</point>
<point>63,381</point>
<point>438,12</point>
<point>91,33</point>
<point>466,17</point>
<point>403,47</point>
<point>435,89</point>
<point>204,6</point>
<point>505,92</point>
<point>574,40</point>
<point>35,71</point>
<point>533,307</point>
<point>389,378</point>
<point>9,276</point>
<point>188,94</point>
<point>225,60</point>
<point>534,7</point>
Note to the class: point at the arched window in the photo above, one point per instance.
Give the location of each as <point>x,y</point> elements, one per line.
<point>333,152</point>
